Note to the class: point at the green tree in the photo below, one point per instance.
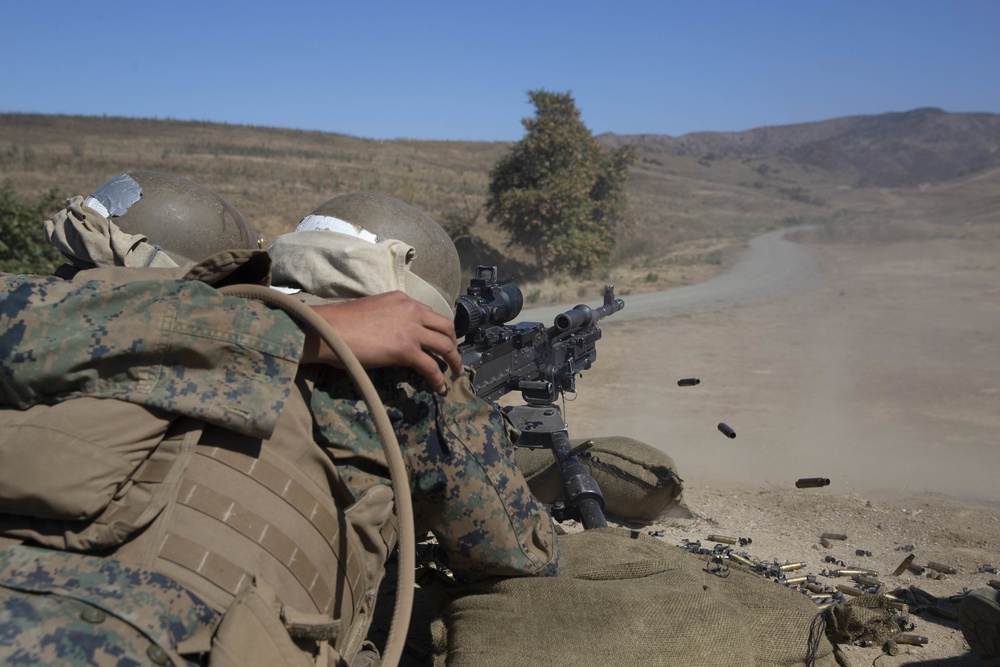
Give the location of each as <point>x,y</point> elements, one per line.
<point>23,247</point>
<point>559,192</point>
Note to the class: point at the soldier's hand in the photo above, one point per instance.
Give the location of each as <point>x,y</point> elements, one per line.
<point>390,330</point>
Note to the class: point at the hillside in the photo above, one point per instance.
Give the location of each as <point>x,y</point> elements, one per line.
<point>694,199</point>
<point>887,150</point>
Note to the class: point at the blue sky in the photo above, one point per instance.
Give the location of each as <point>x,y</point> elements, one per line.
<point>461,70</point>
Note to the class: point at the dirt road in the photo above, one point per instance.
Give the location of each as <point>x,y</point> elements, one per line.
<point>876,366</point>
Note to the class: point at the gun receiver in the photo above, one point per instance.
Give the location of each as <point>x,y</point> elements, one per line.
<point>542,363</point>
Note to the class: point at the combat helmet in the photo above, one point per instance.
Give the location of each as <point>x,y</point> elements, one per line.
<point>378,217</point>
<point>186,220</point>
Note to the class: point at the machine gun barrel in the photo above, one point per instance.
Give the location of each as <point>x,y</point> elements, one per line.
<point>583,315</point>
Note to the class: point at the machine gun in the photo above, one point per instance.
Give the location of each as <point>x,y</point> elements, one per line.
<point>542,363</point>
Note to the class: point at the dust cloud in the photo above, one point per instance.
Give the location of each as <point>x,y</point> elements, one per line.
<point>882,374</point>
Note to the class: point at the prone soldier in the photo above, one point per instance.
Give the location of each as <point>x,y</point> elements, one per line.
<point>215,500</point>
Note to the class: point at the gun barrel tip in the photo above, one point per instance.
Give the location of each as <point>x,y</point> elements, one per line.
<point>727,430</point>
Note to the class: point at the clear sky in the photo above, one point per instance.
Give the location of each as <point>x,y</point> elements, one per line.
<point>461,70</point>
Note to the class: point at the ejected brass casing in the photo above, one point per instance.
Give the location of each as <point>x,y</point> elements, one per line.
<point>913,640</point>
<point>811,482</point>
<point>851,571</point>
<point>581,448</point>
<point>902,566</point>
<point>688,382</point>
<point>725,539</point>
<point>834,536</point>
<point>891,648</point>
<point>727,430</point>
<point>826,543</point>
<point>850,590</point>
<point>866,579</point>
<point>797,580</point>
<point>788,567</point>
<point>901,606</point>
<point>940,567</point>
<point>741,559</point>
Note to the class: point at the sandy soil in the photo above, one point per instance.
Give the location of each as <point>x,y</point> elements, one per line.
<point>881,373</point>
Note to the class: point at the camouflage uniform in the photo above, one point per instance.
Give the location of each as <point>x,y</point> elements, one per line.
<point>466,486</point>
<point>232,365</point>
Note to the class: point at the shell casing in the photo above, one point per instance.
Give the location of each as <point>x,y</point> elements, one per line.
<point>817,588</point>
<point>940,567</point>
<point>851,571</point>
<point>834,536</point>
<point>902,566</point>
<point>849,590</point>
<point>866,579</point>
<point>913,640</point>
<point>788,567</point>
<point>922,595</point>
<point>727,430</point>
<point>725,539</point>
<point>811,482</point>
<point>901,606</point>
<point>826,543</point>
<point>688,382</point>
<point>801,579</point>
<point>891,647</point>
<point>742,560</point>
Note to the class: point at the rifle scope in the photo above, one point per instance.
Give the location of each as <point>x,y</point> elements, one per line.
<point>487,302</point>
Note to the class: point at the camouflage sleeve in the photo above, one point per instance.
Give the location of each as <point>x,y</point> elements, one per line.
<point>176,345</point>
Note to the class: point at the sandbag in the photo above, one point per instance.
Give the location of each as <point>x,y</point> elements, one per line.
<point>639,482</point>
<point>630,599</point>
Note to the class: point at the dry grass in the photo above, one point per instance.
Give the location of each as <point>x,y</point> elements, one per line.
<point>687,216</point>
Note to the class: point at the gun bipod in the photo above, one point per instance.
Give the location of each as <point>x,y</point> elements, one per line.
<point>542,427</point>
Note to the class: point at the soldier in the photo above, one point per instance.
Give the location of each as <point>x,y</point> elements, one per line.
<point>215,498</point>
<point>467,485</point>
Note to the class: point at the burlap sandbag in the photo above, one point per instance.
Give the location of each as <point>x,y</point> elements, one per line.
<point>632,600</point>
<point>639,482</point>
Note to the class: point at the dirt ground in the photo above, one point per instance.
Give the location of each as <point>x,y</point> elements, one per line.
<point>881,373</point>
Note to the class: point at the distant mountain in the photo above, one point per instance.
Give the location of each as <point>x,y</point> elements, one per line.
<point>892,149</point>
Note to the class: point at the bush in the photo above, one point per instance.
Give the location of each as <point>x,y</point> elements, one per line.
<point>23,247</point>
